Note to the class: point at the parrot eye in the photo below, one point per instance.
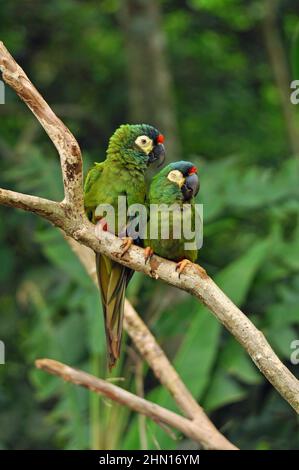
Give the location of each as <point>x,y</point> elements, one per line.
<point>144,143</point>
<point>142,140</point>
<point>175,176</point>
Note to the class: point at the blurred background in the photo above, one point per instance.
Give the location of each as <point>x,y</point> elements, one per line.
<point>214,76</point>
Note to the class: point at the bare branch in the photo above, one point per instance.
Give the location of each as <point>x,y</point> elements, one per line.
<point>156,358</point>
<point>47,209</point>
<point>62,138</point>
<point>119,395</point>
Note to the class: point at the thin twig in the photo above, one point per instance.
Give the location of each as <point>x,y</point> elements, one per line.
<point>140,405</point>
<point>50,210</point>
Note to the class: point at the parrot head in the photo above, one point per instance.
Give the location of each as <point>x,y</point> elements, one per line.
<point>178,181</point>
<point>138,144</point>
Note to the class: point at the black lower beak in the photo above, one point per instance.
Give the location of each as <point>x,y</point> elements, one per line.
<point>191,187</point>
<point>157,155</point>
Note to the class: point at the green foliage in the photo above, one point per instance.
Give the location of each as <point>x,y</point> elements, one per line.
<point>232,127</point>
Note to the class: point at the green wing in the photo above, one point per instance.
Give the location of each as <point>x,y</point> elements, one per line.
<point>91,189</point>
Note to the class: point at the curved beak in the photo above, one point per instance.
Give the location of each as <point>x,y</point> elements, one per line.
<point>157,155</point>
<point>191,187</point>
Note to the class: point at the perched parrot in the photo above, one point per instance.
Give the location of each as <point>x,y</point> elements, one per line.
<point>176,184</point>
<point>131,149</point>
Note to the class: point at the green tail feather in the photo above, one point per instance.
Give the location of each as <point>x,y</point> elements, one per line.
<point>113,279</point>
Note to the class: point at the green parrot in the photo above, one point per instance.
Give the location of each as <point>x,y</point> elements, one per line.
<point>131,149</point>
<point>175,186</point>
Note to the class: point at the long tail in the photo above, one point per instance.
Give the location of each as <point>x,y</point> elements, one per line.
<point>113,279</point>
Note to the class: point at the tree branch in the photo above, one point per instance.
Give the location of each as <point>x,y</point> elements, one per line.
<point>140,405</point>
<point>50,210</point>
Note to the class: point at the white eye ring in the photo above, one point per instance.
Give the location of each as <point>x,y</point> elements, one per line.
<point>175,176</point>
<point>142,140</point>
<point>144,143</point>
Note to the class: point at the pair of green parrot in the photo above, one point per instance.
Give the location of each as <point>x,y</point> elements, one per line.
<point>132,148</point>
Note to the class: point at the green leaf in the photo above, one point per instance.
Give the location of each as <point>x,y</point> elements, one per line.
<point>59,253</point>
<point>236,279</point>
<point>95,323</point>
<point>281,338</point>
<point>281,315</point>
<point>70,338</point>
<point>198,351</point>
<point>235,361</point>
<point>201,341</point>
<point>223,390</point>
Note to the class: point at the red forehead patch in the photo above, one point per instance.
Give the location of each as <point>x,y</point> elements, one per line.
<point>160,139</point>
<point>192,170</point>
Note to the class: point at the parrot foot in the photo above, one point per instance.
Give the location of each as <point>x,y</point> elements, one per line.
<point>127,243</point>
<point>181,266</point>
<point>148,253</point>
